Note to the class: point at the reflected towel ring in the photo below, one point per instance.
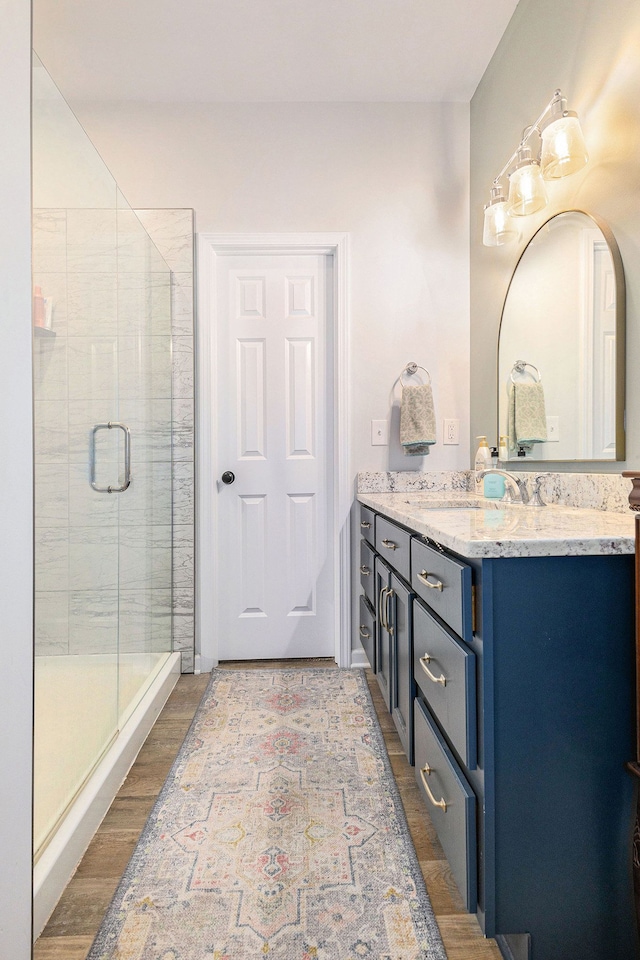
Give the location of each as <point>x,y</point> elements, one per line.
<point>519,367</point>
<point>411,369</point>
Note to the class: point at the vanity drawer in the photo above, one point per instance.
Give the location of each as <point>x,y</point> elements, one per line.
<point>444,584</point>
<point>367,631</point>
<point>367,573</point>
<point>451,803</point>
<point>368,524</point>
<point>394,544</point>
<point>445,671</point>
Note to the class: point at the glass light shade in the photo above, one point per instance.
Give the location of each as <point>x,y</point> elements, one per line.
<point>526,190</point>
<point>563,148</point>
<point>499,228</point>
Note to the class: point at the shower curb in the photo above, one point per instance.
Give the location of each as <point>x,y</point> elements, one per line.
<point>59,860</point>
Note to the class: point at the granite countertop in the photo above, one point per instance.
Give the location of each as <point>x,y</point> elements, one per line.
<point>475,527</point>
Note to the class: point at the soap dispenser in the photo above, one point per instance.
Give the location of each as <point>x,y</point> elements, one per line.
<point>494,484</point>
<point>482,460</point>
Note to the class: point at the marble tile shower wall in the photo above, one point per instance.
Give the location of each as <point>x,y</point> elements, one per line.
<point>172,231</point>
<point>92,551</point>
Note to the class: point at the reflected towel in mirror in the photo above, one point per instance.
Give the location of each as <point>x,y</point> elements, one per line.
<point>417,420</point>
<point>527,415</point>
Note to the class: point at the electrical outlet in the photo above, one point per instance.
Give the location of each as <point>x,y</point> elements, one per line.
<point>379,433</point>
<point>553,429</point>
<point>451,431</point>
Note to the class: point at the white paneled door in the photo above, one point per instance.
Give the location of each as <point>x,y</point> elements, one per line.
<point>274,412</point>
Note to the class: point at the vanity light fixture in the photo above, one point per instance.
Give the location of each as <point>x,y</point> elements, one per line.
<point>561,151</point>
<point>499,228</point>
<point>526,187</point>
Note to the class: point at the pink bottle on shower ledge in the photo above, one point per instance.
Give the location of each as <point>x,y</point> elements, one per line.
<point>39,312</point>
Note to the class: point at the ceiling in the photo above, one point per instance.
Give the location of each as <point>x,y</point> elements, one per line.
<point>269,50</point>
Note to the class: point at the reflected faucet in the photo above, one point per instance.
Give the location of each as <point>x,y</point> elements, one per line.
<point>516,489</point>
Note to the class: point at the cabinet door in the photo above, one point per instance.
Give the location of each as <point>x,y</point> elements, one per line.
<point>394,544</point>
<point>368,524</point>
<point>451,803</point>
<point>401,607</point>
<point>367,631</point>
<point>445,672</point>
<point>383,637</point>
<point>444,583</point>
<point>367,559</point>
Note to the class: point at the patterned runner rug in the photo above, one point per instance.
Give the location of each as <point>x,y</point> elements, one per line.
<point>279,834</point>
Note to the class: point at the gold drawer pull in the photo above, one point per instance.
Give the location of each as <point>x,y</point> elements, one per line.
<point>437,803</point>
<point>422,577</point>
<point>365,571</point>
<point>364,633</point>
<point>365,524</point>
<point>441,679</point>
<point>390,545</point>
<point>381,606</point>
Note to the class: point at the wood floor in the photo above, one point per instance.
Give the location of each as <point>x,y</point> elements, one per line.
<point>73,925</point>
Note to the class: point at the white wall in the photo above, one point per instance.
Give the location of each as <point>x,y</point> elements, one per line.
<point>16,484</point>
<point>395,176</point>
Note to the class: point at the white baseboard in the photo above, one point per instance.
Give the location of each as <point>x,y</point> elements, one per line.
<point>204,664</point>
<point>359,658</point>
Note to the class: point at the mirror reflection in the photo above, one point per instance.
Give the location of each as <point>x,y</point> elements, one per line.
<point>561,346</point>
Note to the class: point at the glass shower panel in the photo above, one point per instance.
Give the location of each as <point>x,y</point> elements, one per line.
<point>75,386</point>
<point>144,381</point>
<point>102,402</point>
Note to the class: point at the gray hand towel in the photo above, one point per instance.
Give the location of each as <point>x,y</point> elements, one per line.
<point>527,415</point>
<point>417,420</point>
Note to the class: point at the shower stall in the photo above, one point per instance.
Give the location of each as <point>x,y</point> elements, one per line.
<point>103,482</point>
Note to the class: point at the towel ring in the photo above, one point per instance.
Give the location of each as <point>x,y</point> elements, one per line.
<point>411,369</point>
<point>519,367</point>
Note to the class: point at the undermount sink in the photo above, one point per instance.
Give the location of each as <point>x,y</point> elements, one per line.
<point>432,501</point>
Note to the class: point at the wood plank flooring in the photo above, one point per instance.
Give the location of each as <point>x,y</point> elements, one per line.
<point>75,921</point>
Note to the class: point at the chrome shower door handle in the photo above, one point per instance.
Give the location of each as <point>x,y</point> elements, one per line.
<point>127,457</point>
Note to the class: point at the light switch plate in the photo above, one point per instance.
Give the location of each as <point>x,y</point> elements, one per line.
<point>379,433</point>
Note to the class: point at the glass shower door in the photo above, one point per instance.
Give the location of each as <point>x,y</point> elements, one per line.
<point>102,412</point>
<point>75,386</point>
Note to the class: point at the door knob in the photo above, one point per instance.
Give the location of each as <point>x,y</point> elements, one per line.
<point>228,476</point>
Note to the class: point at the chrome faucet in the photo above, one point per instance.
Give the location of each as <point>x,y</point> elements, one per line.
<point>516,491</point>
<point>536,499</point>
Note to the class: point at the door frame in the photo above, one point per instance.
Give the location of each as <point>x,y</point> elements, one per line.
<point>209,247</point>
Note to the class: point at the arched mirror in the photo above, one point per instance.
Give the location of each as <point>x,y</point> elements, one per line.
<point>561,349</point>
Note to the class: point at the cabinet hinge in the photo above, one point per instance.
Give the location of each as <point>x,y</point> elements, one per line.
<point>473,608</point>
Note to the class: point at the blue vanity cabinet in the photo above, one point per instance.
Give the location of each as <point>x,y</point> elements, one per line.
<point>386,606</point>
<point>555,658</point>
<point>526,741</point>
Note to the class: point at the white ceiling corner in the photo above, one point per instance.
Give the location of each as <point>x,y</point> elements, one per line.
<point>269,50</point>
